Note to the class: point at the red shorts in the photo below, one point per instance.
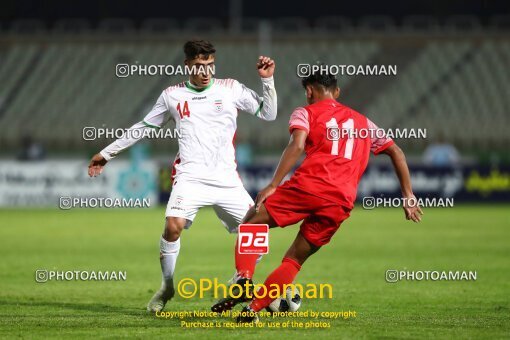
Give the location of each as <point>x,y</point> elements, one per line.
<point>322,218</point>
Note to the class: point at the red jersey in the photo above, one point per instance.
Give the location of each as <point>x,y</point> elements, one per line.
<point>337,150</point>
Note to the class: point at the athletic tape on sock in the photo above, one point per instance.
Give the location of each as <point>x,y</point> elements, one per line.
<point>169,247</point>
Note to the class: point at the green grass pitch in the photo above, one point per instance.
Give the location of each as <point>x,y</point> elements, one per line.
<point>471,237</point>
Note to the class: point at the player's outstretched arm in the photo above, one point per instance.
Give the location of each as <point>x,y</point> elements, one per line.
<point>289,158</point>
<point>96,165</point>
<point>100,159</point>
<point>269,105</point>
<point>412,211</point>
<point>155,119</point>
<point>266,67</point>
<point>249,101</point>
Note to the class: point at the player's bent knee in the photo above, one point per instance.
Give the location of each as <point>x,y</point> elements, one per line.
<point>249,215</point>
<point>260,217</point>
<point>301,249</point>
<point>173,228</point>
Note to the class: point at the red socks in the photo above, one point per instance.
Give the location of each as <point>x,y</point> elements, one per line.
<point>245,263</point>
<point>284,274</point>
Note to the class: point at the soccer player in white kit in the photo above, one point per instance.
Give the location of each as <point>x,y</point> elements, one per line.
<point>204,109</point>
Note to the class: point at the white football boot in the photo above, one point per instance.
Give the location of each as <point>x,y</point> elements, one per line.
<point>161,297</point>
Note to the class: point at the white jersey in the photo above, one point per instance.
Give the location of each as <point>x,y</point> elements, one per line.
<point>207,121</point>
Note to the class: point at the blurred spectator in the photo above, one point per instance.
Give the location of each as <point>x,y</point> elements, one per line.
<point>244,154</point>
<point>31,150</point>
<point>441,154</point>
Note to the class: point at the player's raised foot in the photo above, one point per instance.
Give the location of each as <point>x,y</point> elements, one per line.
<point>247,315</point>
<point>160,298</point>
<point>241,292</point>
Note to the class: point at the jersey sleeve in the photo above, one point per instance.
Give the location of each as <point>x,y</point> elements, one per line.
<point>246,99</point>
<point>379,140</point>
<point>299,120</point>
<point>159,115</point>
<point>156,118</point>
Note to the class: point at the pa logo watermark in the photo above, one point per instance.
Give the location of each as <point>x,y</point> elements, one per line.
<point>253,239</point>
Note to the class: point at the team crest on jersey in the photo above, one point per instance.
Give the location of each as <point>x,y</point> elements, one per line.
<point>218,105</point>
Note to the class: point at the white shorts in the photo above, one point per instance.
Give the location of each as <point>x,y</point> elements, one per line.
<point>230,204</point>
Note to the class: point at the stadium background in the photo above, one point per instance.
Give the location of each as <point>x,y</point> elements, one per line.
<point>57,75</point>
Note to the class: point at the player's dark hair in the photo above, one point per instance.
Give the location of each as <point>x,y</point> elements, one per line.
<point>194,48</point>
<point>320,76</point>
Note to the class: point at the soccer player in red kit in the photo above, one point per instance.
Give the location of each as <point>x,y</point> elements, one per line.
<point>337,141</point>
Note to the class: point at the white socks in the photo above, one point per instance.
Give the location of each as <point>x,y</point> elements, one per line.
<point>169,253</point>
